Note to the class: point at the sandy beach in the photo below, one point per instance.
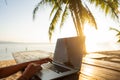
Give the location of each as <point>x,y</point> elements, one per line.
<point>5,63</point>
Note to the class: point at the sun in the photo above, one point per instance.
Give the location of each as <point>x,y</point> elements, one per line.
<point>91,38</point>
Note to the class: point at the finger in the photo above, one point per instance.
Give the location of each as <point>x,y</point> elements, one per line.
<point>46,59</point>
<point>50,60</point>
<point>38,68</point>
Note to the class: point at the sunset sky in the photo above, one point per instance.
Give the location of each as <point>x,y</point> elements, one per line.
<point>16,24</point>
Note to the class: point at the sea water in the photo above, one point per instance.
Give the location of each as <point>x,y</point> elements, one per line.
<point>6,49</point>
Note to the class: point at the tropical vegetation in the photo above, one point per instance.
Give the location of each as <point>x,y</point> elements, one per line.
<point>117,34</point>
<point>79,11</point>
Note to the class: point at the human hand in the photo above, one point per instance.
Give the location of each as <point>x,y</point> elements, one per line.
<point>46,60</point>
<point>30,71</point>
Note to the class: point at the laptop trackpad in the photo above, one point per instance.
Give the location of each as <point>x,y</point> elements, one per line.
<point>58,69</point>
<point>47,74</point>
<point>51,71</point>
<point>55,68</point>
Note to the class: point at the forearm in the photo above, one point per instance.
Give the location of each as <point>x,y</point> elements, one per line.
<point>7,71</point>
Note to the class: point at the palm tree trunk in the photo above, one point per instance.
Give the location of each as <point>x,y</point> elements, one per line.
<point>81,34</point>
<point>76,16</point>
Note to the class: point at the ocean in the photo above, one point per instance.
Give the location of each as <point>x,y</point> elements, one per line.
<point>7,48</point>
<point>103,46</point>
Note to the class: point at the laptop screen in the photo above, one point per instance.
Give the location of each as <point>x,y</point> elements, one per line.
<point>68,52</point>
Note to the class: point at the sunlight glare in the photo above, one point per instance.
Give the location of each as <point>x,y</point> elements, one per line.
<point>88,69</point>
<point>96,40</point>
<point>91,38</point>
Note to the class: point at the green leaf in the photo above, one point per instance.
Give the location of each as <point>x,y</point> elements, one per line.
<point>64,16</point>
<point>54,22</point>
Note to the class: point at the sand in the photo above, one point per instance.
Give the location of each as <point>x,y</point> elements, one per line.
<point>8,63</point>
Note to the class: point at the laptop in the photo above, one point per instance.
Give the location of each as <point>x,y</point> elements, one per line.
<point>67,59</point>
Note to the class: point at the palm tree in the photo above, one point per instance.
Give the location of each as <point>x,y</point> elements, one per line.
<point>79,11</point>
<point>118,33</point>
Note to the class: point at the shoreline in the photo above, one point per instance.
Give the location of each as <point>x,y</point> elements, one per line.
<point>5,57</point>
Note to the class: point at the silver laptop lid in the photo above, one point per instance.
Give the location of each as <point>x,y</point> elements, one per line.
<point>68,52</point>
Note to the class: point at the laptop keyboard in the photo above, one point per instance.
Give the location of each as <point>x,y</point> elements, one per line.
<point>56,68</point>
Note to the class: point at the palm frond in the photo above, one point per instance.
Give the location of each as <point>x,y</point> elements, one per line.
<point>107,9</point>
<point>36,8</point>
<point>108,6</point>
<point>91,18</point>
<point>118,40</point>
<point>53,10</point>
<point>118,33</point>
<point>64,16</point>
<point>42,2</point>
<point>76,15</point>
<point>86,16</point>
<point>56,6</point>
<point>54,22</point>
<point>114,29</point>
